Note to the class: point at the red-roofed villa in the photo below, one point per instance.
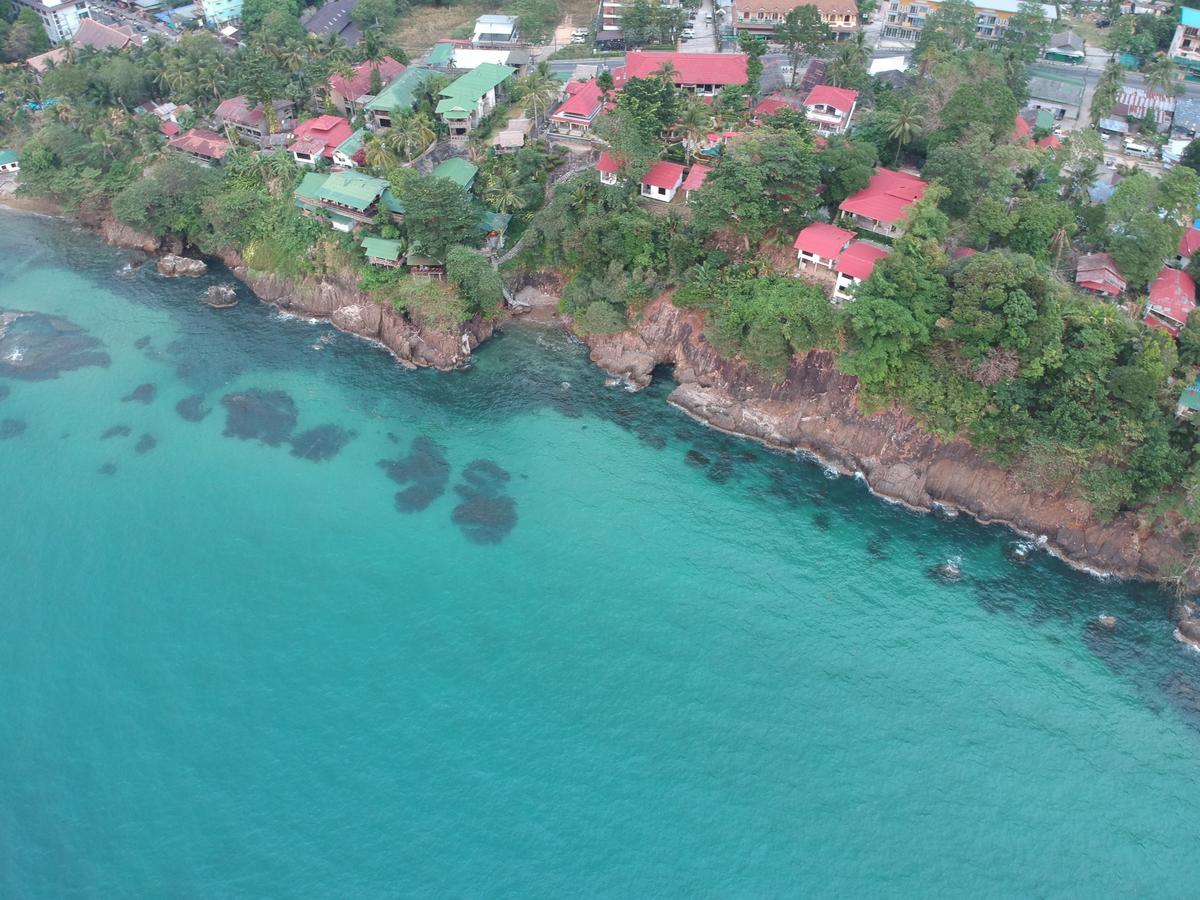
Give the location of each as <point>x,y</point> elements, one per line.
<point>663,181</point>
<point>768,106</point>
<point>854,267</point>
<point>820,244</point>
<point>701,73</point>
<point>1172,297</point>
<point>1097,273</point>
<point>830,108</point>
<point>580,110</point>
<point>206,146</point>
<point>694,181</point>
<point>350,93</point>
<point>608,168</point>
<point>882,206</point>
<point>318,138</point>
<point>1188,245</point>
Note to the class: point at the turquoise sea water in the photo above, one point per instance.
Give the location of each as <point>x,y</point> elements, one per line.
<point>614,654</point>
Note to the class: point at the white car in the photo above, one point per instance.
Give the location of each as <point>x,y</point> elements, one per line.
<point>579,39</point>
<point>687,34</point>
<point>579,32</point>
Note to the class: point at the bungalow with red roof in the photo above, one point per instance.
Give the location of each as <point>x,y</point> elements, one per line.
<point>854,267</point>
<point>1097,273</point>
<point>1172,298</point>
<point>700,73</point>
<point>1188,245</point>
<point>663,181</point>
<point>882,206</point>
<point>767,107</point>
<point>830,108</point>
<point>580,110</point>
<point>608,168</point>
<point>169,129</point>
<point>250,122</point>
<point>317,139</point>
<point>820,244</point>
<point>351,93</point>
<point>205,146</point>
<point>694,181</point>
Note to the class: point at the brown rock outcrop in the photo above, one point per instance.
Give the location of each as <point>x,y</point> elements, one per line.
<point>815,409</point>
<point>121,235</point>
<point>175,266</point>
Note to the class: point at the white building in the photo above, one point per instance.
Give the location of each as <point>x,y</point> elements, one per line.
<point>60,18</point>
<point>494,30</point>
<point>218,12</point>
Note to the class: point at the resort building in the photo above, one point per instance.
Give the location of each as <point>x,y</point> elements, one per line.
<point>457,59</point>
<point>336,18</point>
<point>514,136</point>
<point>349,153</point>
<point>1189,400</point>
<point>905,19</point>
<point>662,181</point>
<point>819,245</point>
<point>205,146</point>
<point>694,181</point>
<point>830,109</point>
<point>347,199</point>
<point>492,30</point>
<point>317,138</point>
<point>218,12</point>
<point>1172,298</point>
<point>471,98</point>
<point>1059,92</point>
<point>494,228</point>
<point>882,206</point>
<point>60,18</point>
<point>383,252</point>
<point>458,170</point>
<point>608,168</point>
<point>1185,45</point>
<point>251,124</point>
<point>701,73</point>
<point>398,98</point>
<point>9,161</point>
<point>1065,47</point>
<point>1097,273</point>
<point>855,266</point>
<point>1188,245</point>
<point>580,110</point>
<point>761,16</point>
<point>350,94</point>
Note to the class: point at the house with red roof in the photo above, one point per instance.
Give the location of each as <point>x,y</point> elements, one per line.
<point>854,267</point>
<point>830,108</point>
<point>1097,273</point>
<point>1188,245</point>
<point>205,146</point>
<point>1172,298</point>
<point>251,123</point>
<point>317,138</point>
<point>580,109</point>
<point>882,206</point>
<point>767,107</point>
<point>169,129</point>
<point>820,244</point>
<point>694,181</point>
<point>608,167</point>
<point>700,73</point>
<point>351,93</point>
<point>1021,130</point>
<point>1049,142</point>
<point>663,181</point>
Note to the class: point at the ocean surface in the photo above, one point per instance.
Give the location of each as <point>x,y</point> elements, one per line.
<point>280,618</point>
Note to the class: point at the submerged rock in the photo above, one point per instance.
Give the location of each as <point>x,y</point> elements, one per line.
<point>1106,621</point>
<point>10,428</point>
<point>117,431</point>
<point>321,443</point>
<point>697,459</point>
<point>173,266</point>
<point>107,469</point>
<point>145,444</point>
<point>425,472</point>
<point>192,408</point>
<point>486,514</point>
<point>221,296</point>
<point>37,347</point>
<point>143,393</point>
<point>142,343</point>
<point>266,416</point>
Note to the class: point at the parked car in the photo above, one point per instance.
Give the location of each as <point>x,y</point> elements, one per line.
<point>687,34</point>
<point>579,32</point>
<point>579,39</point>
<point>1103,23</point>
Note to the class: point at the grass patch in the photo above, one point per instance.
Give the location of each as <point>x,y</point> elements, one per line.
<point>422,26</point>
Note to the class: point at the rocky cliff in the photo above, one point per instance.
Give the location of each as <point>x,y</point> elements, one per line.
<point>339,300</point>
<point>815,409</point>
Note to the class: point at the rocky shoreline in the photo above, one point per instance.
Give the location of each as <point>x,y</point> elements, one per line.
<point>814,410</point>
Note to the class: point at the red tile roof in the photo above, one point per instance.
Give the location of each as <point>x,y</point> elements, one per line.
<point>1049,142</point>
<point>95,34</point>
<point>1172,297</point>
<point>962,252</point>
<point>858,260</point>
<point>1021,129</point>
<point>695,177</point>
<point>886,197</point>
<point>208,144</point>
<point>354,86</point>
<point>1190,242</point>
<point>690,68</point>
<point>768,106</point>
<point>583,103</point>
<point>820,239</point>
<point>1099,272</point>
<point>170,129</point>
<point>841,99</point>
<point>607,164</point>
<point>321,135</point>
<point>664,175</point>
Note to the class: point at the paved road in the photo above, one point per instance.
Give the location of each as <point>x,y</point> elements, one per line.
<point>143,24</point>
<point>705,40</point>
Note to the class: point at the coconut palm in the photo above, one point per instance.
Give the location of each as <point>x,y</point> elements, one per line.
<point>694,122</point>
<point>503,191</point>
<point>377,153</point>
<point>1162,74</point>
<point>538,90</point>
<point>410,135</point>
<point>903,123</point>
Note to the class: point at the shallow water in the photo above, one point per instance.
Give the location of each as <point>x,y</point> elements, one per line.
<point>294,621</point>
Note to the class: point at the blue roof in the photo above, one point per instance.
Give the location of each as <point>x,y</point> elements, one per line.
<point>1190,17</point>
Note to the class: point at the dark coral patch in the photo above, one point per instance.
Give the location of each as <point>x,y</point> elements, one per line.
<point>107,469</point>
<point>192,408</point>
<point>143,393</point>
<point>37,347</point>
<point>117,431</point>
<point>486,514</point>
<point>424,471</point>
<point>697,459</point>
<point>10,428</point>
<point>4,391</point>
<point>145,444</point>
<point>486,476</point>
<point>142,343</point>
<point>821,520</point>
<point>321,443</point>
<point>267,416</point>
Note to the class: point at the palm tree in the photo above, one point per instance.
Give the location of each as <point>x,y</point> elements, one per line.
<point>903,123</point>
<point>1162,74</point>
<point>694,122</point>
<point>64,111</point>
<point>503,191</point>
<point>409,135</point>
<point>850,62</point>
<point>538,90</point>
<point>1060,242</point>
<point>377,153</point>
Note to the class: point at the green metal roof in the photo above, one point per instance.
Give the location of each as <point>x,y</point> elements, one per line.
<point>310,185</point>
<point>456,169</point>
<point>341,220</point>
<point>440,55</point>
<point>8,156</point>
<point>352,189</point>
<point>1190,399</point>
<point>494,221</point>
<point>1189,17</point>
<point>381,248</point>
<point>1045,119</point>
<point>465,93</point>
<point>401,94</point>
<point>389,202</point>
<point>352,144</point>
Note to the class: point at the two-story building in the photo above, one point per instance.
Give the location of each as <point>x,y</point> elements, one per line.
<point>348,199</point>
<point>820,244</point>
<point>1172,299</point>
<point>318,138</point>
<point>830,108</point>
<point>398,98</point>
<point>579,112</point>
<point>201,145</point>
<point>1185,45</point>
<point>60,18</point>
<point>469,99</point>
<point>904,20</point>
<point>252,124</point>
<point>761,16</point>
<point>495,31</point>
<point>351,93</point>
<point>882,206</point>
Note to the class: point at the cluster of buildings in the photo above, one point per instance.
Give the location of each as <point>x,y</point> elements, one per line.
<point>904,20</point>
